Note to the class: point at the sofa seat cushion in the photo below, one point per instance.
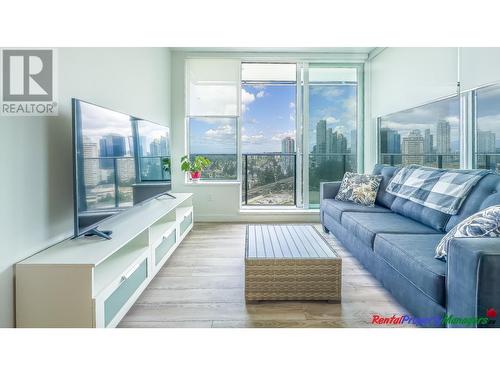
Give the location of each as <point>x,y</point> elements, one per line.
<point>365,226</point>
<point>335,208</point>
<point>412,255</point>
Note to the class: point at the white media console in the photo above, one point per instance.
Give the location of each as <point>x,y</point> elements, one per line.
<point>93,282</point>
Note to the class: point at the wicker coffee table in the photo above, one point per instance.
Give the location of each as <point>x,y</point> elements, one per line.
<point>290,262</point>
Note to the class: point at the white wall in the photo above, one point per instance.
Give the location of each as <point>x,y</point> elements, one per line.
<point>402,78</point>
<point>36,203</point>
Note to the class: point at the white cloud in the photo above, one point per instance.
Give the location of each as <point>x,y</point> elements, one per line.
<point>291,105</point>
<point>292,117</point>
<point>246,99</point>
<point>280,136</point>
<point>256,138</point>
<point>340,129</point>
<point>328,92</point>
<point>331,120</point>
<point>453,120</point>
<point>350,104</point>
<point>260,94</point>
<point>220,133</point>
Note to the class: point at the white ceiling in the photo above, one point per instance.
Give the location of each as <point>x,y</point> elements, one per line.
<point>279,49</point>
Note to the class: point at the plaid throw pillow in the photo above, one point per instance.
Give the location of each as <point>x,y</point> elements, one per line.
<point>359,188</point>
<point>485,223</point>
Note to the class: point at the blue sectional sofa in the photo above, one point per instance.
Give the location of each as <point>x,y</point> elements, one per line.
<point>396,242</point>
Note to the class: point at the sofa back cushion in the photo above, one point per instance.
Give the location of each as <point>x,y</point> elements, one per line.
<point>485,194</point>
<point>425,215</point>
<point>384,198</point>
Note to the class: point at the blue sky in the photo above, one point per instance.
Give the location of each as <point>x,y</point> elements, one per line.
<point>269,115</point>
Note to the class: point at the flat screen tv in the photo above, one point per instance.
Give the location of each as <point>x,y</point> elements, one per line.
<point>116,157</point>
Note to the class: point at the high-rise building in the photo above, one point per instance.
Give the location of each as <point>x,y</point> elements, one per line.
<point>337,143</point>
<point>486,142</point>
<point>158,147</point>
<point>390,141</point>
<point>390,146</point>
<point>288,145</point>
<point>91,165</point>
<point>111,146</point>
<point>443,141</point>
<point>413,148</point>
<point>353,144</point>
<point>428,145</point>
<point>321,138</point>
<point>125,169</point>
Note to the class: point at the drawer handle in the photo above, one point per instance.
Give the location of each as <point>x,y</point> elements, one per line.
<point>129,273</point>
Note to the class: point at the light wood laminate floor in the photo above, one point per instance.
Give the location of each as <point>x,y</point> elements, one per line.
<point>202,285</point>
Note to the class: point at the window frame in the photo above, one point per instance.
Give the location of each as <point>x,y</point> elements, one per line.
<point>188,117</point>
<point>302,69</point>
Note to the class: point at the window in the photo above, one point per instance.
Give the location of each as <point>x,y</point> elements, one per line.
<point>215,138</point>
<point>487,145</point>
<point>332,126</point>
<point>212,101</point>
<point>268,97</point>
<point>427,135</point>
<point>281,128</point>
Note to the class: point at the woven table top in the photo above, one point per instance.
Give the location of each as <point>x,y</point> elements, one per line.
<point>286,242</point>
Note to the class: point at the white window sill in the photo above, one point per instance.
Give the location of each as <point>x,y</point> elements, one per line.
<point>278,210</point>
<point>217,183</point>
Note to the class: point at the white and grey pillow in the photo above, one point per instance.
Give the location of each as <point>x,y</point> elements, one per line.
<point>485,223</point>
<point>359,188</point>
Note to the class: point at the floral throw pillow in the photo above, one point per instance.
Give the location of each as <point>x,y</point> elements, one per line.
<point>485,223</point>
<point>359,188</point>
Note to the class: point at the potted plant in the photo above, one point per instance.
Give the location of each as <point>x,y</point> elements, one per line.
<point>195,167</point>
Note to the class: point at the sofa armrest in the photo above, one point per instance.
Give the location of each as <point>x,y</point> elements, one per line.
<point>473,279</point>
<point>328,190</point>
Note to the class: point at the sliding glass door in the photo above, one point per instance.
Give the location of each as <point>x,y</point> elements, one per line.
<point>299,127</point>
<point>331,101</point>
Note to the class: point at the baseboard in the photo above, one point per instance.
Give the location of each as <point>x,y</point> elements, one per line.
<point>249,217</point>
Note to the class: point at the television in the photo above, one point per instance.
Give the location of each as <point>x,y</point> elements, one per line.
<point>119,160</point>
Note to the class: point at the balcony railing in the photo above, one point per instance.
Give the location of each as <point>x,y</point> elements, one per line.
<point>488,161</point>
<point>269,179</point>
<point>450,160</point>
<point>107,181</point>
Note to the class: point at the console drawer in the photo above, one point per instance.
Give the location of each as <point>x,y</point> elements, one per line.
<point>125,290</point>
<point>165,245</point>
<point>186,222</point>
